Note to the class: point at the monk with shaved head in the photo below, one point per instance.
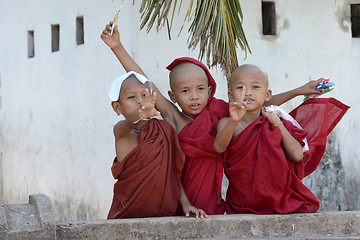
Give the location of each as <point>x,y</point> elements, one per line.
<point>264,158</point>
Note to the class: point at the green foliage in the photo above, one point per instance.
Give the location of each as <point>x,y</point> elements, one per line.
<point>216,25</point>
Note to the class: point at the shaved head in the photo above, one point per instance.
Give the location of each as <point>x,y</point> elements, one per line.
<point>185,70</point>
<point>249,69</point>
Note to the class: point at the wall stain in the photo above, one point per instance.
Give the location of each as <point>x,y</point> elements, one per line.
<point>286,24</point>
<point>279,28</point>
<point>328,180</point>
<point>68,209</point>
<point>342,15</point>
<point>1,171</point>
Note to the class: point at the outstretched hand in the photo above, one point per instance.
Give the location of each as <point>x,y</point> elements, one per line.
<point>111,36</point>
<point>309,88</point>
<point>191,210</point>
<point>147,109</point>
<point>238,109</point>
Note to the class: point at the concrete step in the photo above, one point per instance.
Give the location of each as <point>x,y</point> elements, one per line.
<point>36,220</point>
<point>22,217</point>
<point>33,220</point>
<point>322,225</point>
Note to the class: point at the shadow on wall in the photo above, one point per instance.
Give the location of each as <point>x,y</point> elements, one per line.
<point>67,209</point>
<point>328,180</point>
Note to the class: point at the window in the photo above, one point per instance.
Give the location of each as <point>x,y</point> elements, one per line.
<point>268,18</point>
<point>30,44</point>
<point>80,30</point>
<point>55,37</point>
<point>355,20</point>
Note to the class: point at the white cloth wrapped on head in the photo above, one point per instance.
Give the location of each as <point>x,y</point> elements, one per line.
<point>287,117</point>
<point>114,90</point>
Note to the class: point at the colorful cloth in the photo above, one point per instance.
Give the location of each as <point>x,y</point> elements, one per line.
<point>148,179</point>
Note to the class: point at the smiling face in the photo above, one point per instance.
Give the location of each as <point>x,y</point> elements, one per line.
<point>256,82</point>
<point>190,89</point>
<point>132,96</point>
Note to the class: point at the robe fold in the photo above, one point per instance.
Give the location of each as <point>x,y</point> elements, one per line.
<point>318,117</point>
<point>203,169</point>
<point>261,179</point>
<point>148,179</point>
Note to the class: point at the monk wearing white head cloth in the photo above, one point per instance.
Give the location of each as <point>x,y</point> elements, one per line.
<point>148,160</point>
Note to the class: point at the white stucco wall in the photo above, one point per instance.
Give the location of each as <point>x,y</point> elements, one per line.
<point>56,120</point>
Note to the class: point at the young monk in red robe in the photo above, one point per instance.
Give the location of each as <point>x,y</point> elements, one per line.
<point>149,160</point>
<point>193,88</point>
<point>263,153</point>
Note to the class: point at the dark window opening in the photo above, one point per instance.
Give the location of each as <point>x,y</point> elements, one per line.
<point>80,30</point>
<point>268,18</point>
<point>55,37</point>
<point>355,20</point>
<point>30,44</point>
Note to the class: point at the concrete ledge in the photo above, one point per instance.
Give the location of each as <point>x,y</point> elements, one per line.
<point>322,225</point>
<point>33,220</point>
<point>44,210</point>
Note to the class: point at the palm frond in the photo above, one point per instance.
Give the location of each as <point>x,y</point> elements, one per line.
<point>216,25</point>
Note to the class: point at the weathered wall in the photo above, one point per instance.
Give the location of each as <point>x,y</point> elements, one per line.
<point>56,120</point>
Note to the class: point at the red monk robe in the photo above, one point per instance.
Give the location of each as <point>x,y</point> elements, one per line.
<point>261,179</point>
<point>317,116</point>
<point>203,169</point>
<point>148,179</point>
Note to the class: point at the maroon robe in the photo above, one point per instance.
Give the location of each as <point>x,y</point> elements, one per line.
<point>148,179</point>
<point>203,169</point>
<point>261,179</point>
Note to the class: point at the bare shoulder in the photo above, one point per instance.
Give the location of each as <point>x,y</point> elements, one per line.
<point>125,144</point>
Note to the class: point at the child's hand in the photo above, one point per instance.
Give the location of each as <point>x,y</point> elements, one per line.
<point>238,109</point>
<point>191,210</point>
<point>111,39</point>
<point>309,88</point>
<point>272,116</point>
<point>147,108</point>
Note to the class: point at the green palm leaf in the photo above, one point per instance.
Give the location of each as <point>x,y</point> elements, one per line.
<point>216,25</point>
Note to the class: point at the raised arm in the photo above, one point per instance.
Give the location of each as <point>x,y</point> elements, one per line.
<point>167,109</point>
<point>227,126</point>
<point>292,148</point>
<point>113,41</point>
<point>306,89</point>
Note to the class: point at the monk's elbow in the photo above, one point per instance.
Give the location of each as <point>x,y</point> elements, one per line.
<point>218,148</point>
<point>298,156</point>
